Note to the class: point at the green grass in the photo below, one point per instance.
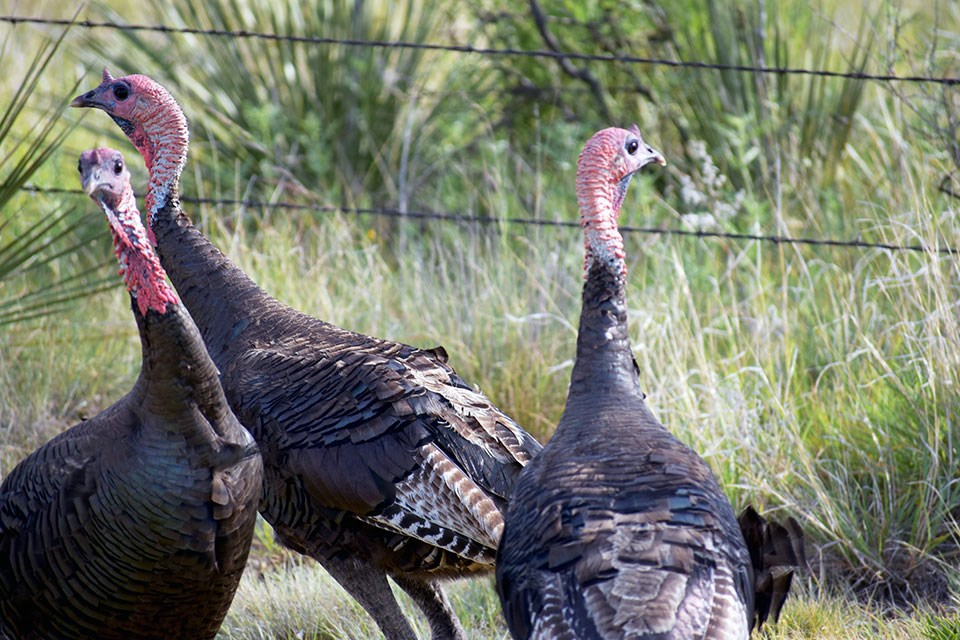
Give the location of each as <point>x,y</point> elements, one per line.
<point>817,381</point>
<point>302,601</point>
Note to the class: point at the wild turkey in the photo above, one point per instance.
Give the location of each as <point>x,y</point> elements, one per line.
<point>379,459</point>
<point>136,523</point>
<point>617,529</point>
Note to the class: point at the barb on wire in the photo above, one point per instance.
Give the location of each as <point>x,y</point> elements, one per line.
<point>466,48</point>
<point>480,219</point>
<point>946,186</point>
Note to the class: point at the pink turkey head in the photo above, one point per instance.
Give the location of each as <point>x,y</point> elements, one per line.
<point>106,180</point>
<point>609,160</point>
<point>155,124</point>
<point>607,163</point>
<point>104,175</point>
<point>143,109</point>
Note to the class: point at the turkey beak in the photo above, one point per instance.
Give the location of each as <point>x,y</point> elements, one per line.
<point>89,99</point>
<point>651,155</point>
<point>92,181</point>
<point>92,98</point>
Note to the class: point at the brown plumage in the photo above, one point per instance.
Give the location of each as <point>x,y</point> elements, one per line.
<point>617,529</point>
<point>776,549</point>
<point>379,459</point>
<point>137,522</point>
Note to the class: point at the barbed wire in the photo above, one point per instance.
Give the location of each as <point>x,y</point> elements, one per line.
<point>528,91</point>
<point>486,51</point>
<point>393,212</point>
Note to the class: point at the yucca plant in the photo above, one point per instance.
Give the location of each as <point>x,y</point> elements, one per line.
<point>344,124</point>
<point>36,277</point>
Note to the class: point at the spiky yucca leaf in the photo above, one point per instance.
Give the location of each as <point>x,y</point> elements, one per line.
<point>29,244</point>
<point>344,124</point>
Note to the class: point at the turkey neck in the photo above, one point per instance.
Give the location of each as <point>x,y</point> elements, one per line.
<point>604,375</point>
<point>172,352</point>
<point>604,364</point>
<point>174,358</point>
<point>220,297</point>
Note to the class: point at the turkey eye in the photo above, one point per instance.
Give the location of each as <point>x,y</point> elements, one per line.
<point>121,92</point>
<point>632,147</point>
<point>118,167</point>
<point>80,166</point>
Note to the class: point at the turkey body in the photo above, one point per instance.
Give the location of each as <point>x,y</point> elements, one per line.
<point>379,459</point>
<point>386,453</point>
<point>618,530</point>
<point>136,523</point>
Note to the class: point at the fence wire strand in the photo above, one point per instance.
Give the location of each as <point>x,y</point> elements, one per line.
<point>484,51</point>
<point>392,212</point>
<point>470,49</point>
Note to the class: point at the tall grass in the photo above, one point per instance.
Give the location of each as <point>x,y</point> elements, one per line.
<point>300,602</point>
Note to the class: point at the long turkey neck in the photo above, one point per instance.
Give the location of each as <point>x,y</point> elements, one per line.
<point>162,138</point>
<point>173,353</point>
<point>139,266</point>
<point>217,293</point>
<point>604,363</point>
<point>175,360</point>
<point>222,299</point>
<point>600,200</point>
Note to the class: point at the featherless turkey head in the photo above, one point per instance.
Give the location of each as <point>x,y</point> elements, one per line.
<point>607,163</point>
<point>104,176</point>
<point>106,180</point>
<point>154,122</point>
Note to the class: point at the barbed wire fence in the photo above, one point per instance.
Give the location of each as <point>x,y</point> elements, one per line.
<point>484,51</point>
<point>467,218</point>
<point>454,217</point>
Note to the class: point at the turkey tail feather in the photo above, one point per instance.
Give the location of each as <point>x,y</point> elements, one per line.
<point>776,551</point>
